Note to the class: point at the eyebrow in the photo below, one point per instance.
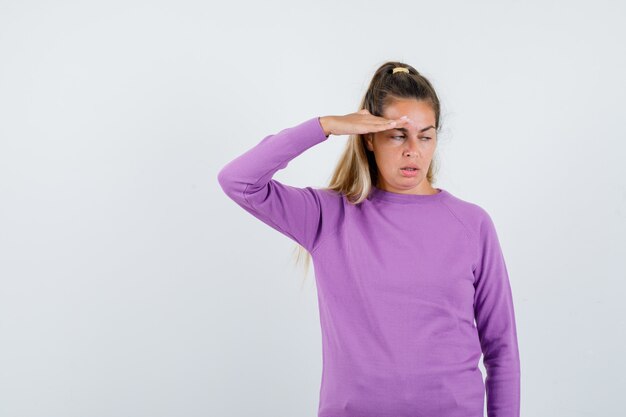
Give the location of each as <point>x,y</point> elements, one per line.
<point>402,129</point>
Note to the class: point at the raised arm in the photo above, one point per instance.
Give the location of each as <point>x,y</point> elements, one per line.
<point>295,212</point>
<point>495,321</point>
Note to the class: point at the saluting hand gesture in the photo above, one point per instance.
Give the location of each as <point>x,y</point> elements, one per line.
<point>360,122</point>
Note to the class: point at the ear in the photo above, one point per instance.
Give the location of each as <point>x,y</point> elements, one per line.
<point>369,138</point>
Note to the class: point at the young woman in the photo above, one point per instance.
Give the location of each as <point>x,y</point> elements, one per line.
<point>412,283</point>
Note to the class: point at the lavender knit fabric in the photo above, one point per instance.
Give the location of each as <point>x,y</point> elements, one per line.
<point>411,290</point>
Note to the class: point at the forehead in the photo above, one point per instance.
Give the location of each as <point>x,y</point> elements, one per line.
<point>419,112</point>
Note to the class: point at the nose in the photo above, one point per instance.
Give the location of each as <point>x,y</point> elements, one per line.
<point>412,147</point>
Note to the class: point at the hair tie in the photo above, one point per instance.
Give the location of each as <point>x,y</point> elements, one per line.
<point>400,69</point>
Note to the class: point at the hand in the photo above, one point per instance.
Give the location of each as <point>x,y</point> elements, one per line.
<point>360,122</point>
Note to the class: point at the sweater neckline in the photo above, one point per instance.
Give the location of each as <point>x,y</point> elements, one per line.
<point>383,195</point>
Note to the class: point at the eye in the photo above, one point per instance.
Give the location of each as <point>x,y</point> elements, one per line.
<point>402,137</point>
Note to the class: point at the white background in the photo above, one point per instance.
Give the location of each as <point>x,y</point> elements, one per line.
<point>130,285</point>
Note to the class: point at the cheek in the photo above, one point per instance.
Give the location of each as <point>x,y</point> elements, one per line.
<point>384,150</point>
<point>428,148</point>
<point>385,159</point>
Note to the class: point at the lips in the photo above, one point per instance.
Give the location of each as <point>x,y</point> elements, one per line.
<point>409,171</point>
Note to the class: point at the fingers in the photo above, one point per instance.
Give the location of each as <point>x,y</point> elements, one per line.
<point>387,124</point>
<point>397,122</point>
<point>378,123</point>
<point>404,120</point>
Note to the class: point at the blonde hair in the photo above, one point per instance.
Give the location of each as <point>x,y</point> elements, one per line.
<point>356,171</point>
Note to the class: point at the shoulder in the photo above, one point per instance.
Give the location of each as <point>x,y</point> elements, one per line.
<point>471,214</point>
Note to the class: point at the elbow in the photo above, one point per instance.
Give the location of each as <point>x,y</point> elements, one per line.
<point>227,181</point>
<point>232,185</point>
<point>504,357</point>
<point>224,179</point>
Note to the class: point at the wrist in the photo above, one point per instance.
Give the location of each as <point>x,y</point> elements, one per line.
<point>324,122</point>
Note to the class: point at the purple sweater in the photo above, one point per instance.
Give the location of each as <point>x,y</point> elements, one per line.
<point>411,290</point>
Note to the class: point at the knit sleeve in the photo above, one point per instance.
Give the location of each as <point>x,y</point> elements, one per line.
<point>495,321</point>
<point>247,180</point>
